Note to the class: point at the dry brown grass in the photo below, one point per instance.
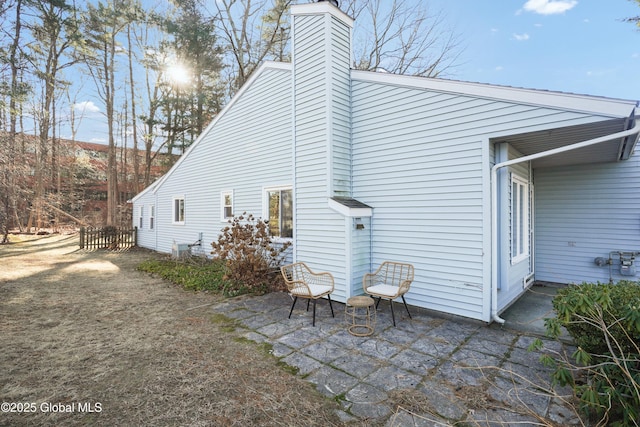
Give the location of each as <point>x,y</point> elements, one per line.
<point>80,327</point>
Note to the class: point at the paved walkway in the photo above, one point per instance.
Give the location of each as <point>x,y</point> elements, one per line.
<point>428,371</point>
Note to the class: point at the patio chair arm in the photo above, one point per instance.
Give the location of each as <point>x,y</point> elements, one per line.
<point>404,286</point>
<point>322,278</point>
<point>371,279</point>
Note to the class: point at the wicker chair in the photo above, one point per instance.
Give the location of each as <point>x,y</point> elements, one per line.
<point>304,283</point>
<point>390,281</point>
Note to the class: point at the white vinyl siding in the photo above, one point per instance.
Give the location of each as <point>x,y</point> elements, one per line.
<point>340,111</point>
<point>585,212</point>
<point>250,144</point>
<point>423,177</point>
<point>321,93</point>
<point>145,236</point>
<point>421,159</point>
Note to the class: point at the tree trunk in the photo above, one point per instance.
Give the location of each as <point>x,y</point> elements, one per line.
<point>136,161</point>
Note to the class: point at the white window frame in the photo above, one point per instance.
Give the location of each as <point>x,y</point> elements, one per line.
<point>140,217</point>
<point>265,206</point>
<point>520,219</point>
<point>223,216</point>
<point>174,210</point>
<point>152,216</point>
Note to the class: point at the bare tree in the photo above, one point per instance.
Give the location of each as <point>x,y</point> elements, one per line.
<point>254,31</point>
<point>402,37</point>
<point>9,144</point>
<point>134,125</point>
<point>54,33</point>
<point>398,36</point>
<point>103,25</point>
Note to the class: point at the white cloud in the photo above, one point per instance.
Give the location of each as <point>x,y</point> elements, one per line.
<point>549,7</point>
<point>86,107</point>
<point>635,55</point>
<point>98,140</point>
<point>499,68</point>
<point>521,37</point>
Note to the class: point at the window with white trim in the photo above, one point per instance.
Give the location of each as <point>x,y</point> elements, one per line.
<point>226,205</point>
<point>519,219</point>
<point>278,206</point>
<point>178,210</point>
<point>152,216</point>
<point>140,217</point>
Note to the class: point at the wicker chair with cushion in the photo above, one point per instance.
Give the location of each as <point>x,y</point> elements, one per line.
<point>390,281</point>
<point>304,283</point>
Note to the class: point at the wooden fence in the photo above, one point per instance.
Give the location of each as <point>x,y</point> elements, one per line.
<point>111,238</point>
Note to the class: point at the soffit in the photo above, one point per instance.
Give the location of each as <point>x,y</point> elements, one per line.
<point>536,142</point>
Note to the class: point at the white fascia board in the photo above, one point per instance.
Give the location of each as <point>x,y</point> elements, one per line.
<point>267,65</point>
<point>320,8</point>
<point>609,107</point>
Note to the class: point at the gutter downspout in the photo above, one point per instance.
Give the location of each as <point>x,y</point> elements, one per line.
<point>494,201</point>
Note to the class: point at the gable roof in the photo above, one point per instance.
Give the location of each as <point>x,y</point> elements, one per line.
<point>267,65</point>
<point>588,104</point>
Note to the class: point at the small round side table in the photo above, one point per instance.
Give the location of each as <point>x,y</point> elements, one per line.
<point>360,315</point>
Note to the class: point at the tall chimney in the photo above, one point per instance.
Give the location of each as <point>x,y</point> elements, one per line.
<point>321,46</point>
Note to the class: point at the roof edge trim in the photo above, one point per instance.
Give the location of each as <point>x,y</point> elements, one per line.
<point>591,104</point>
<point>267,65</point>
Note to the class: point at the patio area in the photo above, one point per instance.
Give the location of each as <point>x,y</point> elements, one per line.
<point>429,370</point>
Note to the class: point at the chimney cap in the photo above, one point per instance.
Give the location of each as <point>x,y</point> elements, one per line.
<point>333,2</point>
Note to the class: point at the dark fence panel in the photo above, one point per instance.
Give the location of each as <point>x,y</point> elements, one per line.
<point>111,238</point>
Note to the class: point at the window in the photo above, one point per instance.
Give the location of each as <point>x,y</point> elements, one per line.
<point>279,211</point>
<point>519,219</point>
<point>226,204</point>
<point>178,210</point>
<point>152,216</point>
<point>140,217</point>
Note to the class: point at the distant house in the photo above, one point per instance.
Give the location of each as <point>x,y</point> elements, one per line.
<point>483,188</point>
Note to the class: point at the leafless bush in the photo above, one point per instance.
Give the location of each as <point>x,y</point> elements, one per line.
<point>252,259</point>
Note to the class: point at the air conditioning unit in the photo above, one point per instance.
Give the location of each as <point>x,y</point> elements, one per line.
<point>180,250</point>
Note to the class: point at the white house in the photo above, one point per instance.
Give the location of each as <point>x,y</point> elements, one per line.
<point>482,188</point>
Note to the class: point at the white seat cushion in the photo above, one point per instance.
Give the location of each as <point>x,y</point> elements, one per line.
<point>384,290</point>
<point>315,290</point>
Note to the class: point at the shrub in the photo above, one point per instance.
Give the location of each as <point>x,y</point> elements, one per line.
<point>251,257</point>
<point>200,275</point>
<point>604,321</point>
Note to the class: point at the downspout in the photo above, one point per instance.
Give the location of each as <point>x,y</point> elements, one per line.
<point>494,201</point>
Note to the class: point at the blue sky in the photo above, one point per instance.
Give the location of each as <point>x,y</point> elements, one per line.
<point>578,46</point>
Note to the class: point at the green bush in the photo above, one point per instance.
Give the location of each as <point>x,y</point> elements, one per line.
<point>251,258</point>
<point>200,275</point>
<point>619,306</point>
<point>604,321</point>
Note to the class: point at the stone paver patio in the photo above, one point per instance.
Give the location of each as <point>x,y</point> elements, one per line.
<point>428,371</point>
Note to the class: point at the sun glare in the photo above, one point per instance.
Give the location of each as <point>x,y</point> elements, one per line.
<point>178,74</point>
